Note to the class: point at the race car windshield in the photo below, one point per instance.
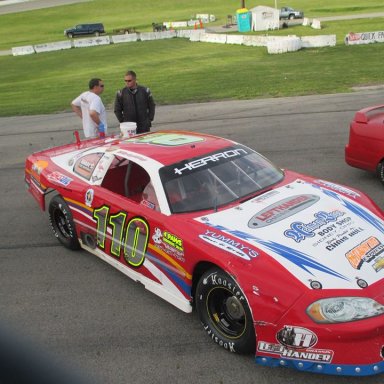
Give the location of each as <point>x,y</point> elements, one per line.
<point>219,178</point>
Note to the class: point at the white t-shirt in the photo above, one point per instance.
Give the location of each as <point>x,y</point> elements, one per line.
<point>88,101</point>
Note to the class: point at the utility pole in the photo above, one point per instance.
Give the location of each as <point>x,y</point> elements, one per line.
<point>242,3</point>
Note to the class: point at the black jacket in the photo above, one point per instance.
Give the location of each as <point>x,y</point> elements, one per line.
<point>135,105</point>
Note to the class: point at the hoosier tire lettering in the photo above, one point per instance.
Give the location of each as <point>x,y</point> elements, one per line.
<point>224,313</point>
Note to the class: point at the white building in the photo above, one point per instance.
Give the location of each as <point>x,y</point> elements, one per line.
<point>265,18</point>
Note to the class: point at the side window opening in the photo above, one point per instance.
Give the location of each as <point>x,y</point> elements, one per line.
<point>130,180</point>
<point>115,176</point>
<point>136,180</point>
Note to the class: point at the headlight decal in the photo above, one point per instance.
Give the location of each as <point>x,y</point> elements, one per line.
<point>344,309</point>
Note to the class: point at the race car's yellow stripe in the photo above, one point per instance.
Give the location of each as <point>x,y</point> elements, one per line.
<point>171,260</point>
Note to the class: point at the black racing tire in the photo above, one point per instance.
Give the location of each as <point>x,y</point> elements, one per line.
<point>62,223</point>
<point>224,313</point>
<point>291,17</point>
<point>380,171</point>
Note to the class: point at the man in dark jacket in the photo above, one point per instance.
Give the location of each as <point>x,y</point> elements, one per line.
<point>135,103</point>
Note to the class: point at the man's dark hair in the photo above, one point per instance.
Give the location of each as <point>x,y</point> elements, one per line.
<point>94,83</point>
<point>131,73</point>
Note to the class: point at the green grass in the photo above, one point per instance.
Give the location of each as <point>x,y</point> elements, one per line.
<point>177,70</point>
<point>46,25</point>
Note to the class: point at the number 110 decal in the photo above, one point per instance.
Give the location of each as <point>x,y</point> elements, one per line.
<point>133,237</point>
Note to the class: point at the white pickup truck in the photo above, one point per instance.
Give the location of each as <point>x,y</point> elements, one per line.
<point>290,13</point>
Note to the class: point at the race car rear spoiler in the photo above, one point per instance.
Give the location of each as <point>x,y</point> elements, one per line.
<point>364,115</point>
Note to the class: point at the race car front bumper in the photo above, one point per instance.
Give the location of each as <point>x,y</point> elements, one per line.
<point>351,349</point>
<point>329,369</point>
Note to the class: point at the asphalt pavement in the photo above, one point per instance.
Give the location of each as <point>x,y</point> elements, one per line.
<point>89,315</point>
<point>15,6</point>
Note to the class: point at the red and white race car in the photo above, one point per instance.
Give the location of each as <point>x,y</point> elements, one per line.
<point>278,264</point>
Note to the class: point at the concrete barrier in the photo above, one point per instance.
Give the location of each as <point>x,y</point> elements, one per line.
<point>145,36</point>
<point>213,38</point>
<point>284,45</point>
<point>184,33</point>
<point>165,35</point>
<point>90,42</point>
<point>196,34</point>
<point>126,38</point>
<point>316,24</point>
<point>26,50</point>
<point>306,22</point>
<point>57,46</point>
<point>235,39</point>
<point>274,44</point>
<point>256,41</point>
<point>318,41</point>
<point>192,34</point>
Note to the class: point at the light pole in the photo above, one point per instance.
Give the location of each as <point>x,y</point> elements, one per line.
<point>242,3</point>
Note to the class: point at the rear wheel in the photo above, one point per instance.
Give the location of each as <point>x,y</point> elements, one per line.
<point>62,223</point>
<point>224,313</point>
<point>291,17</point>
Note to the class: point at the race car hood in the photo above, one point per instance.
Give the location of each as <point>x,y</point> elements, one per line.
<point>324,238</point>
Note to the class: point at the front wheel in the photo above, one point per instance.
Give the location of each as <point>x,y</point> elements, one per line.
<point>224,313</point>
<point>62,223</point>
<point>70,35</point>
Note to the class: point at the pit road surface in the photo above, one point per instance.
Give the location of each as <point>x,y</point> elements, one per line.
<point>86,313</point>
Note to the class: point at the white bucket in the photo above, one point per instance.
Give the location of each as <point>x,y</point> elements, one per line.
<point>128,129</point>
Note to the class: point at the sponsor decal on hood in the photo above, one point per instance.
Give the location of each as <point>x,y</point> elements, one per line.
<point>227,244</point>
<point>281,210</point>
<point>316,234</point>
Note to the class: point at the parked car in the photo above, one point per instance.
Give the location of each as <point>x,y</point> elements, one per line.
<point>290,13</point>
<point>85,29</point>
<point>277,264</point>
<point>365,148</point>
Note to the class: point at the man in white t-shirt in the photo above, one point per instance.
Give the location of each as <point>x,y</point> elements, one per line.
<point>89,107</point>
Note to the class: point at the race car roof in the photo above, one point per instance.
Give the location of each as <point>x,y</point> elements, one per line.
<point>168,147</point>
